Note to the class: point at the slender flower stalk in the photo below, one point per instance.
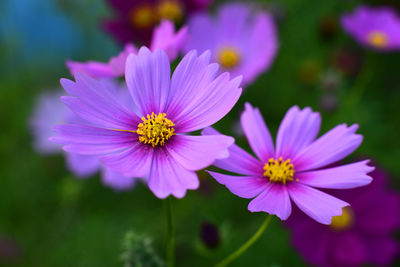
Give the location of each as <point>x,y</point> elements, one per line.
<point>170,237</point>
<point>246,245</point>
<point>357,91</point>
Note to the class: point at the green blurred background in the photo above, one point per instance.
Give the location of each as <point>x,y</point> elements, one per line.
<point>50,218</point>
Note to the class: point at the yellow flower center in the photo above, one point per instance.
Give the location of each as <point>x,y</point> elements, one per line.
<point>170,10</point>
<point>143,16</point>
<point>378,39</point>
<point>155,129</point>
<point>228,57</point>
<point>343,221</point>
<point>279,170</point>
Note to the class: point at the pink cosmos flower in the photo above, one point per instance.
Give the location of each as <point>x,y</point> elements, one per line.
<point>153,141</point>
<point>243,41</point>
<point>376,28</point>
<point>50,111</point>
<point>164,37</point>
<point>291,170</point>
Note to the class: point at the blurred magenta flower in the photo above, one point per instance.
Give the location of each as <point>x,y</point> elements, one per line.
<point>377,28</point>
<point>363,234</point>
<point>50,111</point>
<point>242,41</point>
<point>152,141</point>
<point>292,169</point>
<point>135,19</point>
<point>164,37</point>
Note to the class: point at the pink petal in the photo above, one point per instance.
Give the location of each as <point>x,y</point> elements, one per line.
<point>273,200</point>
<point>297,130</point>
<point>262,45</point>
<point>88,140</point>
<point>343,177</point>
<point>117,181</point>
<point>385,249</point>
<point>242,186</point>
<point>97,104</point>
<point>133,162</point>
<point>168,177</point>
<point>257,133</point>
<point>117,63</point>
<point>82,165</point>
<point>329,148</point>
<point>211,104</point>
<point>91,68</point>
<point>190,77</point>
<point>239,161</point>
<point>201,25</point>
<point>147,75</point>
<point>165,38</point>
<point>316,204</point>
<point>197,152</point>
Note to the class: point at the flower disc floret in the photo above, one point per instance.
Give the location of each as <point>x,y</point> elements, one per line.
<point>279,170</point>
<point>378,39</point>
<point>344,221</point>
<point>170,10</point>
<point>155,129</point>
<point>143,17</point>
<point>228,58</point>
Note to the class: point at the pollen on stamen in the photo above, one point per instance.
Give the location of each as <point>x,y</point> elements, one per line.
<point>155,129</point>
<point>279,170</point>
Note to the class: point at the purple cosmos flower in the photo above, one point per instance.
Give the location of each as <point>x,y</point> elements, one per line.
<point>164,37</point>
<point>241,41</point>
<point>292,169</point>
<point>135,19</point>
<point>50,111</point>
<point>377,28</point>
<point>363,234</point>
<point>153,140</point>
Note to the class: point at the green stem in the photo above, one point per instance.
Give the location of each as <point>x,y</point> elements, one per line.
<point>170,238</point>
<point>360,84</point>
<point>246,245</point>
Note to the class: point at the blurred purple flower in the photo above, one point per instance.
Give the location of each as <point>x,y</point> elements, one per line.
<point>164,37</point>
<point>292,169</point>
<point>363,234</point>
<point>377,28</point>
<point>50,111</point>
<point>135,19</point>
<point>241,41</point>
<point>152,141</point>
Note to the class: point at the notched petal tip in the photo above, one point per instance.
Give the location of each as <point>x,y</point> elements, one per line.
<point>144,50</point>
<point>66,82</point>
<point>205,56</point>
<point>248,107</point>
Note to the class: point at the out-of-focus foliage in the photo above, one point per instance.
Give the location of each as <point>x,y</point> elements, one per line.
<point>138,252</point>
